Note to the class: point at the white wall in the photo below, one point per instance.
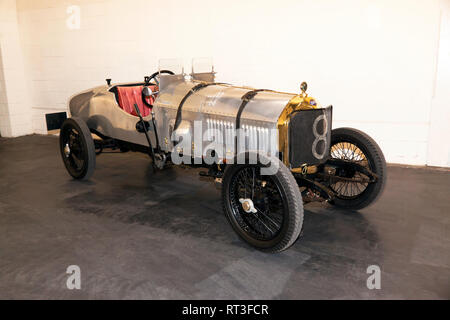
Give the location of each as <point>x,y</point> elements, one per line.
<point>375,61</point>
<point>15,106</point>
<point>438,140</point>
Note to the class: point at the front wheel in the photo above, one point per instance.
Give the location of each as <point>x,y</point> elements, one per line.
<point>356,151</point>
<point>266,211</point>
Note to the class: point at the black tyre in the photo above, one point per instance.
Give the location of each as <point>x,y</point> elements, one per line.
<point>77,148</point>
<point>266,211</point>
<point>355,146</point>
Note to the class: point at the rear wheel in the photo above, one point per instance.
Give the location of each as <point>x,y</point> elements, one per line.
<point>265,210</point>
<point>77,148</point>
<point>355,191</point>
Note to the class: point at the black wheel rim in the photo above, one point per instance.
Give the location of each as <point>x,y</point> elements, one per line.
<point>349,151</point>
<point>73,150</point>
<point>269,202</point>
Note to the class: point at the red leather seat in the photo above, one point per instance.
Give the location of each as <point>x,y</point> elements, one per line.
<point>128,96</point>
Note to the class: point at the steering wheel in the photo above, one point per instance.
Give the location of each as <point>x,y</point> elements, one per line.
<point>147,92</point>
<point>153,76</point>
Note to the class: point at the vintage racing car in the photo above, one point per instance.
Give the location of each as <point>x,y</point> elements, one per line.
<point>270,151</point>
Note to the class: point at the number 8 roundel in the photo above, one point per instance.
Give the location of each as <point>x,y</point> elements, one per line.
<point>320,137</point>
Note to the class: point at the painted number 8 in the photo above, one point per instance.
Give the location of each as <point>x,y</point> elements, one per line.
<point>320,137</point>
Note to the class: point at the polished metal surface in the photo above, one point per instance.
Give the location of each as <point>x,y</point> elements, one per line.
<point>247,205</point>
<point>215,106</point>
<point>98,107</point>
<point>67,150</point>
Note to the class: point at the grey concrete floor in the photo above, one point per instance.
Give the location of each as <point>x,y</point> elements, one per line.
<point>139,235</point>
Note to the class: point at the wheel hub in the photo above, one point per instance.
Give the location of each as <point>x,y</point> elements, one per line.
<point>67,150</point>
<point>247,205</point>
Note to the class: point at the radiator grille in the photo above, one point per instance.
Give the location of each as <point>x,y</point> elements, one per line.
<point>310,136</point>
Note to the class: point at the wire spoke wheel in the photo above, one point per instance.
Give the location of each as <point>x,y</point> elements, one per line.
<point>358,155</point>
<point>350,152</point>
<point>77,148</point>
<point>266,211</point>
<point>264,197</point>
<point>76,155</point>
